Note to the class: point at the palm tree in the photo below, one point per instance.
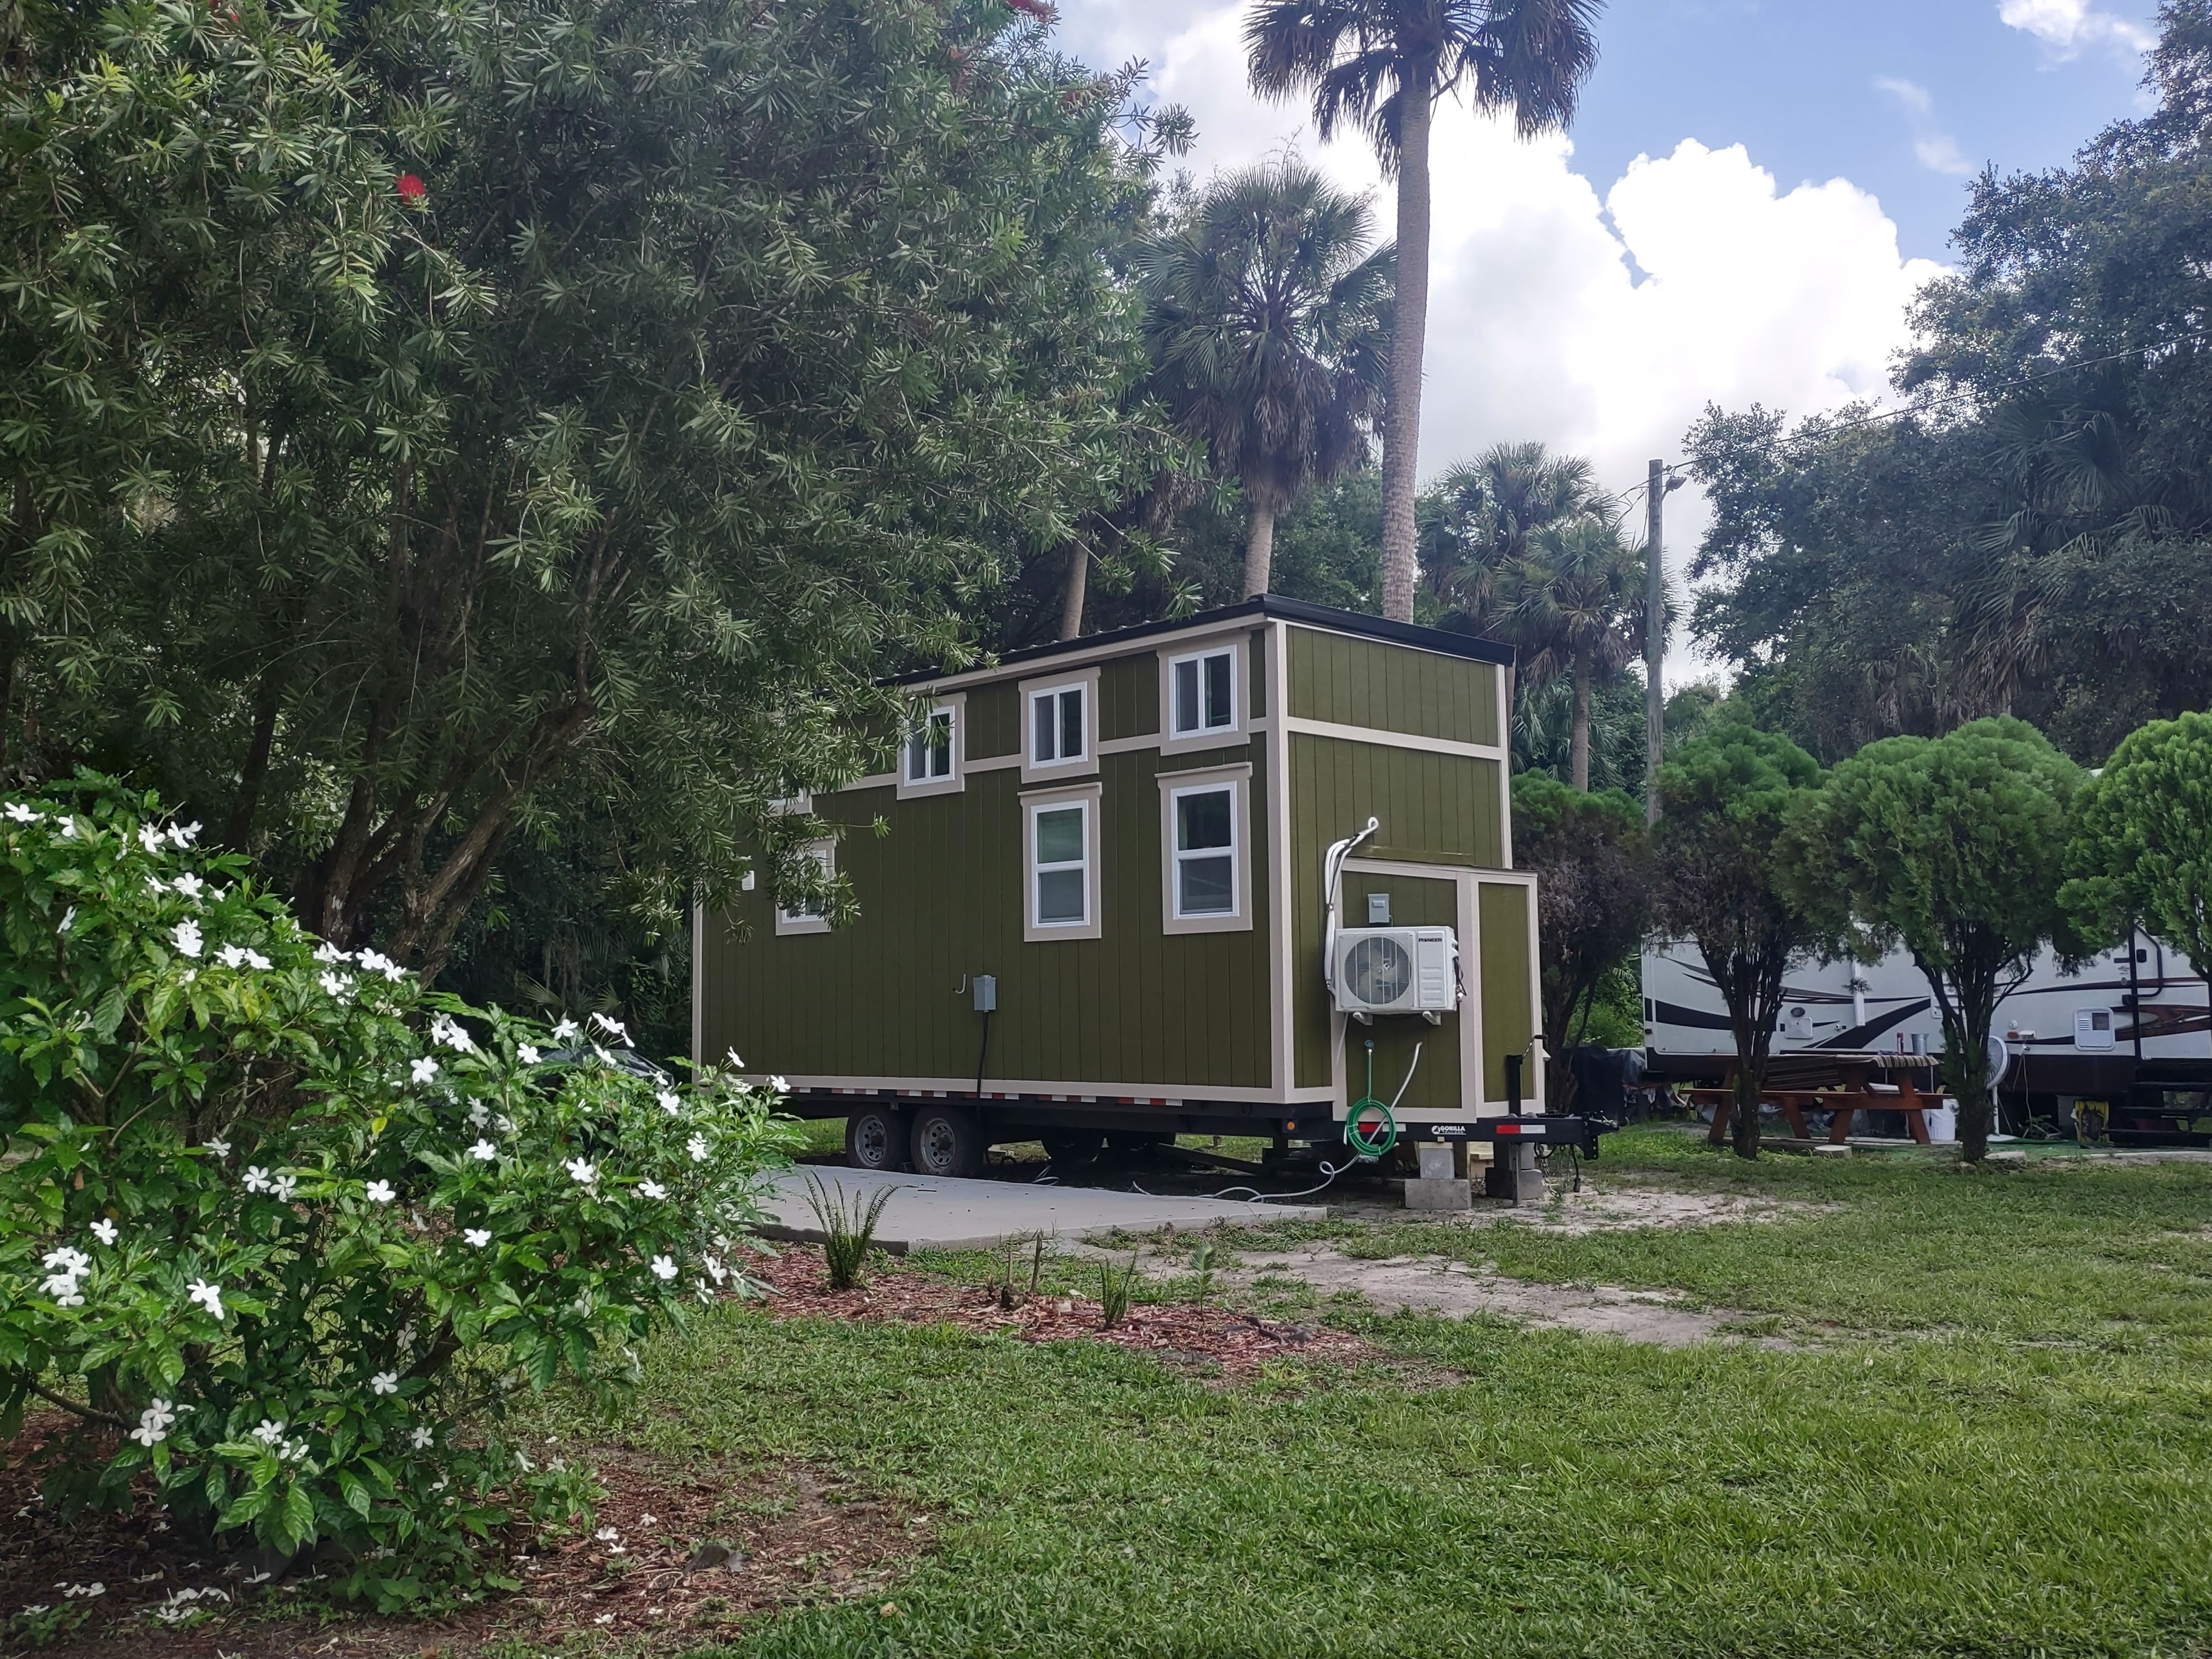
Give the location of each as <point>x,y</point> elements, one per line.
<point>1482,512</point>
<point>1381,65</point>
<point>1573,604</point>
<point>1268,319</point>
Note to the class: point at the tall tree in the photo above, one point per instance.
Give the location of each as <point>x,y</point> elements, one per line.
<point>696,362</point>
<point>1483,512</point>
<point>1953,847</point>
<point>1573,604</point>
<point>1381,65</point>
<point>1725,800</point>
<point>1267,318</point>
<point>2141,854</point>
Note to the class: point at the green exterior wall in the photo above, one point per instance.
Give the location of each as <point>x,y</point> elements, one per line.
<point>1435,1083</point>
<point>1355,682</point>
<point>1509,1003</point>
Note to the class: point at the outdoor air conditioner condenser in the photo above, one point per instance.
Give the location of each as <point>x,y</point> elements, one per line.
<point>1396,971</point>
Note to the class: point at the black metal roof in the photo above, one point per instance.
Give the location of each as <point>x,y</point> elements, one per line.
<point>1266,605</point>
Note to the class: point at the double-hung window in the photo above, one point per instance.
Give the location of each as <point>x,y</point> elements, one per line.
<point>1205,880</point>
<point>809,915</point>
<point>1057,732</point>
<point>1202,689</point>
<point>1061,856</point>
<point>929,749</point>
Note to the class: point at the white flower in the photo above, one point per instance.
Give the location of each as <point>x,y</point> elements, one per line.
<point>377,963</point>
<point>737,1064</point>
<point>479,1114</point>
<point>697,1147</point>
<point>63,1286</point>
<point>425,1070</point>
<point>163,1410</point>
<point>715,1267</point>
<point>483,1152</point>
<point>377,1192</point>
<point>779,1084</point>
<point>384,1382</point>
<point>67,921</point>
<point>188,884</point>
<point>602,1055</point>
<point>208,1295</point>
<point>422,1438</point>
<point>67,1259</point>
<point>334,985</point>
<point>22,814</point>
<point>152,1430</point>
<point>652,1189</point>
<point>149,838</point>
<point>671,1102</point>
<point>663,1269</point>
<point>257,1179</point>
<point>284,1187</point>
<point>614,1027</point>
<point>231,956</point>
<point>68,828</point>
<point>185,836</point>
<point>329,953</point>
<point>104,1230</point>
<point>528,1055</point>
<point>478,1236</point>
<point>566,1030</point>
<point>581,1171</point>
<point>606,1535</point>
<point>269,1434</point>
<point>219,1147</point>
<point>255,959</point>
<point>446,1031</point>
<point>187,936</point>
<point>295,1451</point>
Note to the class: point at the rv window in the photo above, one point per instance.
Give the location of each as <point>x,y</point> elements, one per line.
<point>1204,692</point>
<point>929,750</point>
<point>1061,865</point>
<point>1056,726</point>
<point>1205,852</point>
<point>810,915</point>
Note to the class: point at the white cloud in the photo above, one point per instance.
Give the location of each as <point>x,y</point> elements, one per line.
<point>1936,148</point>
<point>1598,316</point>
<point>2068,27</point>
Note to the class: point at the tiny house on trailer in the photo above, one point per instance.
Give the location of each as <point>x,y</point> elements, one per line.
<point>1102,908</point>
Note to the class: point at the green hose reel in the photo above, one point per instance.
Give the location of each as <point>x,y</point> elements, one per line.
<point>1370,1128</point>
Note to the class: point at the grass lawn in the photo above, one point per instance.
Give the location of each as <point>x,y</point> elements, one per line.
<point>1995,1440</point>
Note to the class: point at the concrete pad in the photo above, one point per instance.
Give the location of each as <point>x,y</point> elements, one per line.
<point>926,1213</point>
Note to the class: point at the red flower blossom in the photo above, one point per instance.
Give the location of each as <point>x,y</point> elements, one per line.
<point>412,188</point>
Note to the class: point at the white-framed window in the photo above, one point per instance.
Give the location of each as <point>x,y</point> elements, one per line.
<point>1206,877</point>
<point>1059,728</point>
<point>1060,847</point>
<point>1202,693</point>
<point>810,915</point>
<point>929,758</point>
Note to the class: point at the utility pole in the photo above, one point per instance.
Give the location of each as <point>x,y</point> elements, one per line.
<point>1655,635</point>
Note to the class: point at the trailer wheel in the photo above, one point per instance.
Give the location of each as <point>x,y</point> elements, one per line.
<point>947,1141</point>
<point>1072,1146</point>
<point>876,1138</point>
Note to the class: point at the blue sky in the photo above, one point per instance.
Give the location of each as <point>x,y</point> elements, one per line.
<point>1800,84</point>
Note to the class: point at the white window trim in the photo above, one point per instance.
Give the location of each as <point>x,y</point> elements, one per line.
<point>1052,771</point>
<point>788,922</point>
<point>797,806</point>
<point>1238,779</point>
<point>1240,692</point>
<point>955,707</point>
<point>1044,800</point>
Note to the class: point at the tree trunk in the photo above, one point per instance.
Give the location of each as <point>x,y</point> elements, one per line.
<point>1260,551</point>
<point>1750,1085</point>
<point>1078,583</point>
<point>1402,421</point>
<point>1578,744</point>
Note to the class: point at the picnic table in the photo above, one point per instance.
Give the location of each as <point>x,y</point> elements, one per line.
<point>1843,1084</point>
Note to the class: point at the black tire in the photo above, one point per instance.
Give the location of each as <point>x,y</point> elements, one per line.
<point>876,1138</point>
<point>946,1142</point>
<point>1072,1146</point>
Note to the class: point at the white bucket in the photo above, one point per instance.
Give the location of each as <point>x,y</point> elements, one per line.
<point>1942,1123</point>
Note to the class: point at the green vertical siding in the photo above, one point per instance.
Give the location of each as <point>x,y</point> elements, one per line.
<point>1435,1081</point>
<point>1508,1005</point>
<point>994,725</point>
<point>1129,697</point>
<point>941,899</point>
<point>1355,682</point>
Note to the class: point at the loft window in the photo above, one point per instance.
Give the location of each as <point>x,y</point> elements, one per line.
<point>1203,687</point>
<point>1205,874</point>
<point>1060,864</point>
<point>1056,726</point>
<point>929,750</point>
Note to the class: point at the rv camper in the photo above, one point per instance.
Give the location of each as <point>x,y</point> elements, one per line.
<point>1235,874</point>
<point>2129,1032</point>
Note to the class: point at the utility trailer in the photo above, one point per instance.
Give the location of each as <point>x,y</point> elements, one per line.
<point>1173,879</point>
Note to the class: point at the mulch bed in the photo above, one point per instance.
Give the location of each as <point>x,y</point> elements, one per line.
<point>778,1537</point>
<point>1216,1341</point>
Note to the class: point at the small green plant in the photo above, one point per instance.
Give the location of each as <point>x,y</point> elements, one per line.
<point>848,1228</point>
<point>1114,1284</point>
<point>1201,1263</point>
<point>1005,1283</point>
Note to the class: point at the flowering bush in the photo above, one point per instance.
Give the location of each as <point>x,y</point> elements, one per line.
<point>287,1230</point>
